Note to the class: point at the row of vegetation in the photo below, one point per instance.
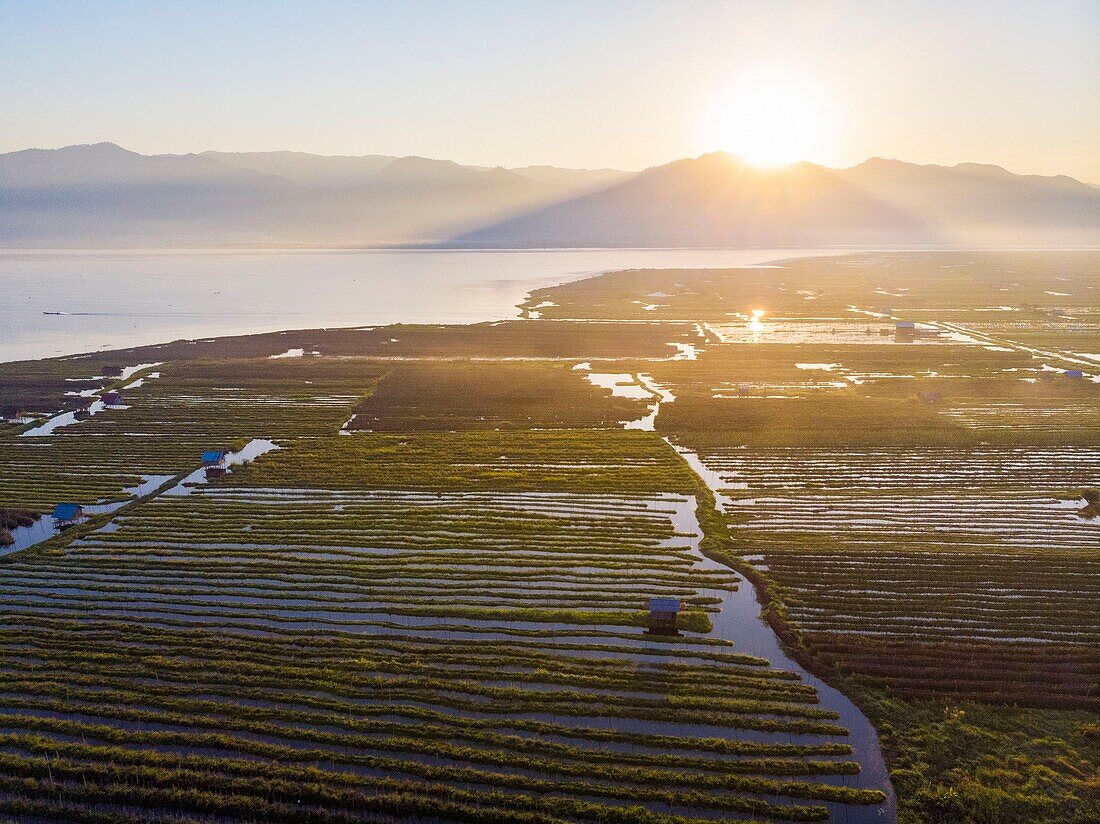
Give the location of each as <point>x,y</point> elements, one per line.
<point>442,624</point>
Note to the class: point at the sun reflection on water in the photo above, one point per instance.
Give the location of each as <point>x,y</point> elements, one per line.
<point>756,324</point>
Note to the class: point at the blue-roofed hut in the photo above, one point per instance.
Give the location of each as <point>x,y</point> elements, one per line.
<point>111,399</point>
<point>662,615</point>
<point>67,514</point>
<point>213,457</point>
<point>1074,374</point>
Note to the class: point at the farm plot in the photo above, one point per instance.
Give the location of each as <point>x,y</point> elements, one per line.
<point>1075,418</point>
<point>979,283</point>
<point>612,461</point>
<point>164,424</point>
<point>968,572</point>
<point>39,386</point>
<point>487,395</point>
<point>326,645</point>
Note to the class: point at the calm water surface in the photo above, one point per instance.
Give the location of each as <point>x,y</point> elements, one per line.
<point>113,299</point>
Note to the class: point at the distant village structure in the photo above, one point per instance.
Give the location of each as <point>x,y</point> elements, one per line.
<point>662,616</point>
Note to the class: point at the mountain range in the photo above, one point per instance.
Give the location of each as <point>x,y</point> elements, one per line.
<point>715,200</point>
<point>104,195</point>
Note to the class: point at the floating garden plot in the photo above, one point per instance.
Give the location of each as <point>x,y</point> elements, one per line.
<point>168,422</point>
<point>487,395</point>
<point>1079,417</point>
<point>612,461</point>
<point>932,570</point>
<point>463,650</point>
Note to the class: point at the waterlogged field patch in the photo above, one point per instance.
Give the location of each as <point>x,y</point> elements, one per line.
<point>487,395</point>
<point>932,571</point>
<point>558,460</point>
<point>166,423</point>
<point>826,418</point>
<point>320,637</point>
<point>978,283</point>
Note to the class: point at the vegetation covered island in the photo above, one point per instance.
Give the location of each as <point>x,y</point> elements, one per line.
<point>812,542</point>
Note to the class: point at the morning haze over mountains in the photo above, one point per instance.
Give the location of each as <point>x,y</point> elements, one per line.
<point>104,195</point>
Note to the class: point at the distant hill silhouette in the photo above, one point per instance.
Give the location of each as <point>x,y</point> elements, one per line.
<point>336,172</point>
<point>104,195</point>
<point>715,200</point>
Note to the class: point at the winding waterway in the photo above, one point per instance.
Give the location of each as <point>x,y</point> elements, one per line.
<point>741,622</point>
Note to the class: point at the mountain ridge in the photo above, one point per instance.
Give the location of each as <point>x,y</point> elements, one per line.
<point>717,200</point>
<point>104,194</point>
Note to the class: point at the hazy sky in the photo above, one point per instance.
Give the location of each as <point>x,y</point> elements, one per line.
<point>593,83</point>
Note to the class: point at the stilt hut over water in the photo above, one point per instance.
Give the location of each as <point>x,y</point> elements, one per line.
<point>213,457</point>
<point>662,615</point>
<point>67,514</point>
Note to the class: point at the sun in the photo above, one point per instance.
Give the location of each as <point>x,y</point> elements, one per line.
<point>769,120</point>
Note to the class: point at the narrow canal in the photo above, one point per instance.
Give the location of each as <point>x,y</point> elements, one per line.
<point>741,622</point>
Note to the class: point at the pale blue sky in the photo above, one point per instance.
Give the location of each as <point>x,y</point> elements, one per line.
<point>624,84</point>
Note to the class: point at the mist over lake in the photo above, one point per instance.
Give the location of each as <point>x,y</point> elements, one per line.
<point>111,299</point>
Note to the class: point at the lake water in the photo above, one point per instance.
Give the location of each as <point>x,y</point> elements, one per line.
<point>113,299</point>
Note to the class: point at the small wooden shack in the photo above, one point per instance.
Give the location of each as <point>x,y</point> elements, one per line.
<point>213,472</point>
<point>213,457</point>
<point>662,615</point>
<point>67,514</point>
<point>111,398</point>
<point>905,329</point>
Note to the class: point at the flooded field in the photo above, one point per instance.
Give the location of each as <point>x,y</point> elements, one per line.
<point>883,556</point>
<point>405,570</point>
<point>487,616</point>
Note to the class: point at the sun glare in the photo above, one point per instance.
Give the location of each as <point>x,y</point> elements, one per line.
<point>771,121</point>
